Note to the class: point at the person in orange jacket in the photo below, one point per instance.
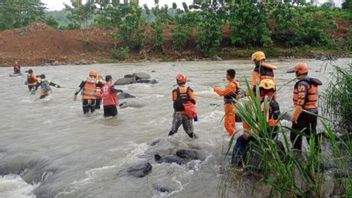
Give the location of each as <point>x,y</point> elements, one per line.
<point>267,90</point>
<point>261,69</point>
<point>88,88</point>
<point>180,96</point>
<point>305,100</point>
<point>32,81</point>
<point>230,94</point>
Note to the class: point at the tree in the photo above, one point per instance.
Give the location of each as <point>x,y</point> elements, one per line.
<point>80,14</point>
<point>19,13</point>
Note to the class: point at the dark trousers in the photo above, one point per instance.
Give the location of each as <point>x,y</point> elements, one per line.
<point>88,105</point>
<point>98,103</point>
<point>241,147</point>
<point>306,126</point>
<point>110,111</point>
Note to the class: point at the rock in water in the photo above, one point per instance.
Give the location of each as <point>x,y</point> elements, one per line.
<point>190,154</point>
<point>161,188</point>
<point>140,170</point>
<point>290,71</point>
<point>142,76</point>
<point>125,96</point>
<point>170,159</point>
<point>125,81</point>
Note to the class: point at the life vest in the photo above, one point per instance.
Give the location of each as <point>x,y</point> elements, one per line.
<point>45,88</point>
<point>274,113</point>
<point>109,97</point>
<point>310,86</point>
<point>31,79</point>
<point>263,71</point>
<point>181,98</point>
<point>233,96</point>
<point>89,89</point>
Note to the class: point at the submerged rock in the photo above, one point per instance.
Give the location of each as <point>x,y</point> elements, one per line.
<point>135,78</point>
<point>161,188</point>
<point>140,170</point>
<point>170,159</point>
<point>190,154</point>
<point>290,71</point>
<point>125,95</point>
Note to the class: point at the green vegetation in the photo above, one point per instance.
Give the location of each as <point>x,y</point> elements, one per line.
<point>120,53</point>
<point>205,27</point>
<point>286,172</point>
<point>337,98</point>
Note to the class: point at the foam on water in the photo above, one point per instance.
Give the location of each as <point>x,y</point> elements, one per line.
<point>13,186</point>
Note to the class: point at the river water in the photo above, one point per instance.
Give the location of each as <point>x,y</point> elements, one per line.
<point>48,148</point>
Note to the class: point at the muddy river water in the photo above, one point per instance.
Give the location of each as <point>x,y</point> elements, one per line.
<point>48,148</point>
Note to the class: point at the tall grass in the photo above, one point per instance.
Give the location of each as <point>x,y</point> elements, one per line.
<point>337,98</point>
<point>286,173</point>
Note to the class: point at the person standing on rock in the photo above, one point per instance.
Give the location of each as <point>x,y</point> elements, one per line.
<point>230,94</point>
<point>17,68</point>
<point>305,114</point>
<point>183,102</point>
<point>261,69</point>
<point>110,98</point>
<point>88,90</point>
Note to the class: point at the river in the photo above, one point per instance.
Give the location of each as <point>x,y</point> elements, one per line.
<point>48,148</point>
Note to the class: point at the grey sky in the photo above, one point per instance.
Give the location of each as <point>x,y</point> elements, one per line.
<point>59,4</point>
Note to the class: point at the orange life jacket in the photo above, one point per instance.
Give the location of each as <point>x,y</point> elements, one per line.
<point>31,79</point>
<point>89,89</point>
<point>263,71</point>
<point>233,96</point>
<point>306,93</point>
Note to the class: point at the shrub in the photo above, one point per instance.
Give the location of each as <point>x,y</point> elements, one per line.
<point>120,53</point>
<point>337,98</point>
<point>180,37</point>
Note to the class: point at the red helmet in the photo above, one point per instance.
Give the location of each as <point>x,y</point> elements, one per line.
<point>181,78</point>
<point>301,68</point>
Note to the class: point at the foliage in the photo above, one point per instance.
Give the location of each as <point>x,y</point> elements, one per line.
<point>180,37</point>
<point>80,14</point>
<point>337,97</point>
<point>51,21</point>
<point>209,32</point>
<point>120,53</point>
<point>19,13</point>
<point>248,22</point>
<point>157,36</point>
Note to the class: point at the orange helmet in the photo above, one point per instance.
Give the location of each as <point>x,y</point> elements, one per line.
<point>181,78</point>
<point>93,73</point>
<point>301,68</point>
<point>258,56</point>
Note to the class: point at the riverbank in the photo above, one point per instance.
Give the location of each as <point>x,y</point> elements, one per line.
<point>39,44</point>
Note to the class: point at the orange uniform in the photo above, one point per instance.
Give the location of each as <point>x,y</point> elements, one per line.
<point>230,94</point>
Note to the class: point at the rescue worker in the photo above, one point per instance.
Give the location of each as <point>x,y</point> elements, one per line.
<point>88,91</point>
<point>267,90</point>
<point>17,68</point>
<point>45,89</point>
<point>110,98</point>
<point>32,81</point>
<point>99,93</point>
<point>305,100</point>
<point>261,69</point>
<point>230,94</point>
<point>180,96</point>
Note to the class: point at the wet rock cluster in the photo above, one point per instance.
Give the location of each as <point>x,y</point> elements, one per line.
<point>136,78</point>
